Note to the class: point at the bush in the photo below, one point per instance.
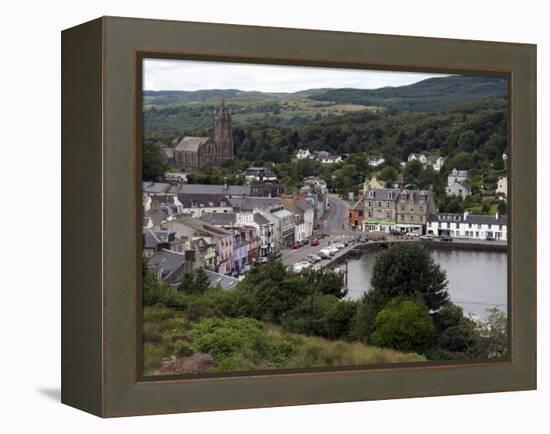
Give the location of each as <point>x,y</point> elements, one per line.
<point>224,337</point>
<point>405,325</point>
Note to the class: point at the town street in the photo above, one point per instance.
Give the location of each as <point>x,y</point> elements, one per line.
<point>332,224</point>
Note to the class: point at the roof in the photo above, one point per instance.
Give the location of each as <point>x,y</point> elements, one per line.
<point>260,219</point>
<point>211,189</point>
<point>383,193</point>
<point>191,144</point>
<point>433,158</point>
<point>470,218</point>
<point>154,187</point>
<point>220,218</point>
<point>150,240</point>
<point>250,203</point>
<point>166,262</point>
<point>224,282</point>
<point>203,200</point>
<point>282,213</point>
<point>200,225</point>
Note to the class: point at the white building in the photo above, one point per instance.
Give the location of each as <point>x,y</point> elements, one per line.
<point>303,154</point>
<point>436,162</point>
<point>375,160</point>
<point>331,159</point>
<point>468,226</point>
<point>502,186</point>
<point>456,175</point>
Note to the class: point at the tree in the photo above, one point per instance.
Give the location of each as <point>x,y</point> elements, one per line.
<point>412,172</point>
<point>403,324</point>
<point>388,174</point>
<point>154,165</point>
<point>502,207</point>
<point>454,331</point>
<point>407,269</point>
<point>494,334</point>
<point>404,270</point>
<point>194,282</point>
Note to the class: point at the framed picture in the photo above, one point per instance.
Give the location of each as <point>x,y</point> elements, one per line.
<point>259,217</point>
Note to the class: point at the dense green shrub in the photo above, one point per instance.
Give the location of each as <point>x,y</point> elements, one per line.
<point>404,325</point>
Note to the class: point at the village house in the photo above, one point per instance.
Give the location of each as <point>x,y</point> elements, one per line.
<point>355,216</point>
<point>457,183</point>
<point>267,189</point>
<point>285,226</point>
<point>176,177</point>
<point>468,226</point>
<point>390,209</point>
<point>380,213</point>
<point>436,162</point>
<point>502,187</point>
<point>195,205</point>
<point>327,158</point>
<point>304,217</point>
<point>155,239</point>
<point>302,154</point>
<point>315,191</point>
<point>257,230</point>
<point>168,266</point>
<point>259,174</point>
<point>373,183</point>
<point>375,160</point>
<point>191,228</point>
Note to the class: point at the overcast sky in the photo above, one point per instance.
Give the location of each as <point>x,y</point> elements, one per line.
<point>194,75</point>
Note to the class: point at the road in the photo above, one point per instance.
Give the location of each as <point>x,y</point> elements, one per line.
<point>333,224</point>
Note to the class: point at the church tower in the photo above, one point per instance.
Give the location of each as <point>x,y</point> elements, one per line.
<point>223,134</point>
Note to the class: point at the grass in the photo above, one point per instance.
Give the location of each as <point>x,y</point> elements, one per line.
<point>168,332</point>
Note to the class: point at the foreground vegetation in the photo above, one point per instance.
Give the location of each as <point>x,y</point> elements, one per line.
<point>278,319</point>
<point>246,344</point>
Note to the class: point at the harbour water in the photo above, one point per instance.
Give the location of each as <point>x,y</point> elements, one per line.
<point>477,280</point>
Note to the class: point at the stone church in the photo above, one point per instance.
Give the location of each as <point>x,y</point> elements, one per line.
<point>202,152</point>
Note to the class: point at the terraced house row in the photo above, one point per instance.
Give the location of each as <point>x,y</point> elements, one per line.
<point>222,228</point>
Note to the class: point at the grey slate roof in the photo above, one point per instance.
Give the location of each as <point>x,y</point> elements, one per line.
<point>249,203</point>
<point>470,218</point>
<point>260,219</point>
<point>220,218</point>
<point>165,261</point>
<point>225,282</point>
<point>191,143</point>
<point>203,200</point>
<point>154,187</point>
<point>230,190</point>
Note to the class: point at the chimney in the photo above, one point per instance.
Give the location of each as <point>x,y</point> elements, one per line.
<point>225,182</point>
<point>466,214</point>
<point>496,215</point>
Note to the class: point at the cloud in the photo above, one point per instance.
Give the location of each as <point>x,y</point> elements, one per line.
<point>164,74</point>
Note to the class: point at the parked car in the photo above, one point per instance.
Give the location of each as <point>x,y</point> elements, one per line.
<point>327,252</point>
<point>277,254</point>
<point>333,249</point>
<point>490,238</point>
<point>305,242</point>
<point>300,266</point>
<point>425,237</point>
<point>315,242</point>
<point>339,245</point>
<point>296,245</point>
<point>312,258</point>
<point>261,261</point>
<point>323,255</point>
<point>447,238</point>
